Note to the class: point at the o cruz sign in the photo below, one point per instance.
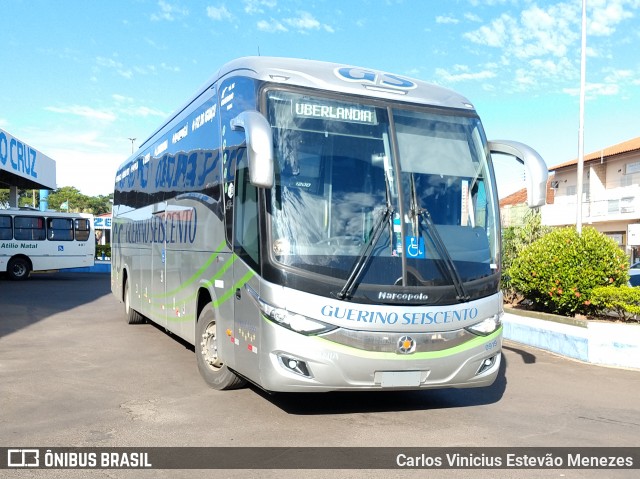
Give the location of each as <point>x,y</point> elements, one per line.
<point>25,161</point>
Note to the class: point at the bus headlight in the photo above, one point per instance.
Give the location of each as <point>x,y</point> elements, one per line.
<point>296,322</point>
<point>488,326</point>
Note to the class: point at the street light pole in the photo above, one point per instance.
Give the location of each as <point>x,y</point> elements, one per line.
<point>583,70</point>
<point>132,140</point>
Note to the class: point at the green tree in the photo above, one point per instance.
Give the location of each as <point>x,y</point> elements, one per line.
<point>25,198</point>
<point>100,204</point>
<point>69,195</point>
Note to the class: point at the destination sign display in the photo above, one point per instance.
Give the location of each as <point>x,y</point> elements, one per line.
<point>329,110</point>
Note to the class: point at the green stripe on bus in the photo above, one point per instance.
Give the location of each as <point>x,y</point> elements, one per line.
<point>395,356</point>
<point>222,299</point>
<point>209,282</point>
<point>196,275</point>
<point>158,303</point>
<point>415,356</point>
<point>241,282</point>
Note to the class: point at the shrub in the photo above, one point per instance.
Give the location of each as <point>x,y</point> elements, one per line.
<point>514,240</point>
<point>103,249</point>
<point>623,300</point>
<point>559,271</point>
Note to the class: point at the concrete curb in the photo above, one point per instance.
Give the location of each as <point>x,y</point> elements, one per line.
<point>607,344</point>
<point>98,267</point>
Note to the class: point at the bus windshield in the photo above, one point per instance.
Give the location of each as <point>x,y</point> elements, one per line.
<point>382,197</point>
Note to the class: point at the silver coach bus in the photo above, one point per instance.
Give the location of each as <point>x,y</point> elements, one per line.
<point>309,226</point>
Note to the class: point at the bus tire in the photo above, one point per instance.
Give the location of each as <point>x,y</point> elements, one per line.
<point>210,365</point>
<point>18,269</point>
<point>133,317</point>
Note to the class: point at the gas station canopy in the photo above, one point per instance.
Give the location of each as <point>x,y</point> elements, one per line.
<point>24,167</point>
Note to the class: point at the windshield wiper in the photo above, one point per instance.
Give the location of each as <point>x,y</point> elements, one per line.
<point>422,213</point>
<point>365,255</point>
<point>441,248</point>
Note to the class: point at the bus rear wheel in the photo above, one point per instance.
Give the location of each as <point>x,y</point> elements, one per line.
<point>18,269</point>
<point>214,372</point>
<point>133,317</point>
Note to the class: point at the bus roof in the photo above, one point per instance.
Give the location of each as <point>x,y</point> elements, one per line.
<point>28,211</point>
<point>331,77</point>
<point>355,80</point>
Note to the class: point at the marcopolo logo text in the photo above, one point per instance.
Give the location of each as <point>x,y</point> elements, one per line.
<point>386,296</point>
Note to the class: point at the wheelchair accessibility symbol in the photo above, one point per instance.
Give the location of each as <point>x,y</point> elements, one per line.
<point>415,247</point>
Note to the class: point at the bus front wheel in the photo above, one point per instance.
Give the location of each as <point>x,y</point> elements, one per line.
<point>215,373</point>
<point>18,269</point>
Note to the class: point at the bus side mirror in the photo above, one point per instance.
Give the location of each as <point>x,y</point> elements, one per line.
<point>257,132</point>
<point>537,171</point>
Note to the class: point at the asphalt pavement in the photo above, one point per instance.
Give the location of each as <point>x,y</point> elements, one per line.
<point>74,374</point>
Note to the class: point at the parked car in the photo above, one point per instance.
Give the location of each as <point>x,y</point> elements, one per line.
<point>634,274</point>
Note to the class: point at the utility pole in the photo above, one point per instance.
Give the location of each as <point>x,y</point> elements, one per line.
<point>583,71</point>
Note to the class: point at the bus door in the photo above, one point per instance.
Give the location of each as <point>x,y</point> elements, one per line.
<point>247,317</point>
<point>158,266</point>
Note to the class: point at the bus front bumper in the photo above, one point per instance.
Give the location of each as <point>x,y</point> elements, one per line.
<point>301,363</point>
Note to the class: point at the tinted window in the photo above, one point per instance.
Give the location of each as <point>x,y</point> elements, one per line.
<point>82,229</point>
<point>6,232</point>
<point>29,228</point>
<point>60,229</point>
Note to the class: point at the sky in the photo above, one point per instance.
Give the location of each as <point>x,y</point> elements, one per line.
<point>80,79</point>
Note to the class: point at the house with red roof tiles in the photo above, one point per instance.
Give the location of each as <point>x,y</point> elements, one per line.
<point>513,208</point>
<point>610,197</point>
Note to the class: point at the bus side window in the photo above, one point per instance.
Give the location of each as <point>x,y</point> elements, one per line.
<point>60,229</point>
<point>6,230</point>
<point>246,242</point>
<point>82,229</point>
<point>30,228</point>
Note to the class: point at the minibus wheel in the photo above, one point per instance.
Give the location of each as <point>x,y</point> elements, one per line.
<point>18,269</point>
<point>210,365</point>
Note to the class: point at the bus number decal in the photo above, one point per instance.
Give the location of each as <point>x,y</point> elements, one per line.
<point>492,345</point>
